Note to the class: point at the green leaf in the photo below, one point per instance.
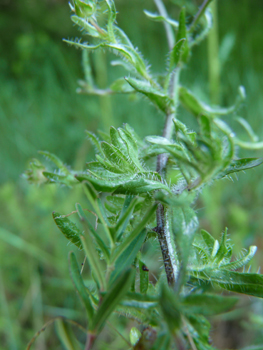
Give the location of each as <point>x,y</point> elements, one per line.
<point>135,335</point>
<point>66,335</point>
<point>241,165</point>
<point>244,283</point>
<point>249,145</point>
<point>135,235</point>
<point>86,26</point>
<point>224,251</point>
<point>170,307</point>
<point>247,127</point>
<point>98,239</point>
<point>182,34</point>
<point>120,85</point>
<point>197,107</point>
<point>92,257</point>
<point>54,159</point>
<point>199,328</point>
<point>116,157</point>
<point>79,285</point>
<point>234,265</point>
<point>132,56</point>
<point>175,55</point>
<point>158,18</point>
<point>208,304</point>
<point>144,277</point>
<point>113,297</point>
<point>126,258</point>
<point>126,184</point>
<point>68,228</point>
<point>125,217</point>
<point>184,223</point>
<point>157,97</point>
<point>94,140</point>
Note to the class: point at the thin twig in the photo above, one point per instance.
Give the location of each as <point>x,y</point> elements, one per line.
<point>168,28</point>
<point>199,15</point>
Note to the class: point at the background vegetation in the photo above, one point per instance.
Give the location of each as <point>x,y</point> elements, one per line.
<point>39,110</point>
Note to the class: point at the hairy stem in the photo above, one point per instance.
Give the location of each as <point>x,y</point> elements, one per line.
<point>163,229</point>
<point>199,15</point>
<point>168,28</point>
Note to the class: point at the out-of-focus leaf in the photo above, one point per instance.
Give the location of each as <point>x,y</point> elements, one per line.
<point>157,97</point>
<point>66,335</point>
<point>158,18</point>
<point>90,251</point>
<point>175,54</point>
<point>54,159</point>
<point>249,145</point>
<point>79,285</point>
<point>170,307</point>
<point>201,36</point>
<point>135,233</point>
<point>98,239</point>
<point>244,283</point>
<point>68,228</point>
<point>162,342</point>
<point>121,85</point>
<point>234,265</point>
<point>184,223</point>
<point>144,277</point>
<point>135,335</point>
<point>94,140</point>
<point>199,329</point>
<point>208,304</point>
<point>113,297</point>
<point>247,127</point>
<point>182,34</point>
<point>197,107</point>
<point>124,218</point>
<point>126,258</point>
<point>89,28</point>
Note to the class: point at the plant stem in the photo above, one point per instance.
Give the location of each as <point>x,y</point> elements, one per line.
<point>163,230</point>
<point>199,15</point>
<point>169,31</point>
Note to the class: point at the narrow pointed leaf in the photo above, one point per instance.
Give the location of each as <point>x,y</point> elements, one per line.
<point>136,232</point>
<point>157,97</point>
<point>92,256</point>
<point>170,307</point>
<point>158,18</point>
<point>175,55</point>
<point>242,261</point>
<point>54,159</point>
<point>197,107</point>
<point>88,28</point>
<point>126,258</point>
<point>144,277</point>
<point>100,242</point>
<point>68,228</point>
<point>244,283</point>
<point>79,285</point>
<point>182,34</point>
<point>94,140</point>
<point>66,335</point>
<point>241,165</point>
<point>208,304</point>
<point>113,297</point>
<point>184,224</point>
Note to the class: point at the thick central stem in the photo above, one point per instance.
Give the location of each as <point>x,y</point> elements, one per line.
<point>163,229</point>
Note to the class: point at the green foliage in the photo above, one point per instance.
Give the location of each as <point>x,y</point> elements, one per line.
<point>125,191</point>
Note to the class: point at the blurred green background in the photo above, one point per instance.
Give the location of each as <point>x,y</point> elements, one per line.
<point>40,110</point>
